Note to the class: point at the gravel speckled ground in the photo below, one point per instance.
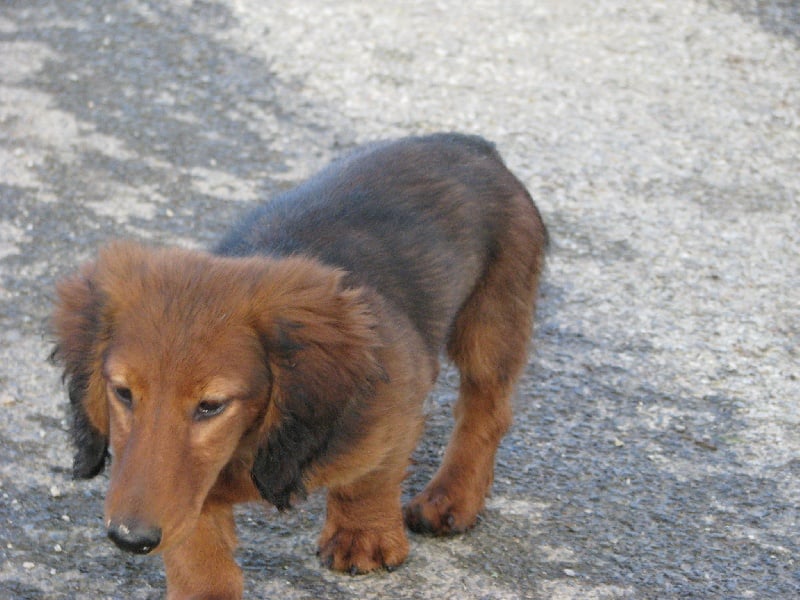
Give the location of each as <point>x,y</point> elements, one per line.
<point>656,451</point>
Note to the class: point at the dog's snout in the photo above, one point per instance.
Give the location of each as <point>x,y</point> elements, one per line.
<point>134,536</point>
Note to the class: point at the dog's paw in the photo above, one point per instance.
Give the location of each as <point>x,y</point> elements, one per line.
<point>441,513</point>
<point>357,551</point>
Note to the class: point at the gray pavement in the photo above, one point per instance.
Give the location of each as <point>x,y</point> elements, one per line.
<point>656,449</point>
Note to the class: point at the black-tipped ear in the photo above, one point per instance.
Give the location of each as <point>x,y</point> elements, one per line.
<point>76,323</point>
<point>321,344</point>
<point>291,446</point>
<point>91,446</point>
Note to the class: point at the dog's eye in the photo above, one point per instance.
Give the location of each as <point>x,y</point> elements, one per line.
<point>124,395</point>
<point>209,408</point>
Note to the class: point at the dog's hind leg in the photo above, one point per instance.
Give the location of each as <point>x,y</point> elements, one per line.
<point>488,344</point>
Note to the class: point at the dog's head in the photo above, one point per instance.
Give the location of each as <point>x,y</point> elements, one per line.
<point>199,372</point>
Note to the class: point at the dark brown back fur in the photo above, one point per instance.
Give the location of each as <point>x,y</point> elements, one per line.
<point>394,216</point>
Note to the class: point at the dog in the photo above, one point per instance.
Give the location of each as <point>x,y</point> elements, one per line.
<point>297,355</point>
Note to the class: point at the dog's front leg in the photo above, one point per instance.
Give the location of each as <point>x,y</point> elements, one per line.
<point>364,527</point>
<point>202,566</point>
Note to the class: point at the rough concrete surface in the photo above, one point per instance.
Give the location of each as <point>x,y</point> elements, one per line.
<point>656,448</point>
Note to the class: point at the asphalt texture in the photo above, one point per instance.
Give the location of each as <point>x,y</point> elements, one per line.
<point>656,447</point>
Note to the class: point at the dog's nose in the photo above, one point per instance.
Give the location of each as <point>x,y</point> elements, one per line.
<point>134,536</point>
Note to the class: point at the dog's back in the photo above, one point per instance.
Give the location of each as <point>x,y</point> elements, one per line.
<point>418,219</point>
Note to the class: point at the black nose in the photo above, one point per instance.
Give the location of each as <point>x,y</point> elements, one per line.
<point>134,536</point>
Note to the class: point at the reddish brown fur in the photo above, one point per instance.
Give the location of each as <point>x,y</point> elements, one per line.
<point>319,378</point>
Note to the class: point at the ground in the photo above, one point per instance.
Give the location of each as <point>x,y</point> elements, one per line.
<point>656,447</point>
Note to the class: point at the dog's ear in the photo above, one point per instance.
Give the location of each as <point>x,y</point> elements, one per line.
<point>80,340</point>
<point>321,344</point>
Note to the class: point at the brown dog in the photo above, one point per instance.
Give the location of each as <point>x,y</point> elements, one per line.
<point>298,354</point>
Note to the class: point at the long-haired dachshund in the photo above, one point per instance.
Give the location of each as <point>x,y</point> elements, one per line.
<point>298,354</point>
